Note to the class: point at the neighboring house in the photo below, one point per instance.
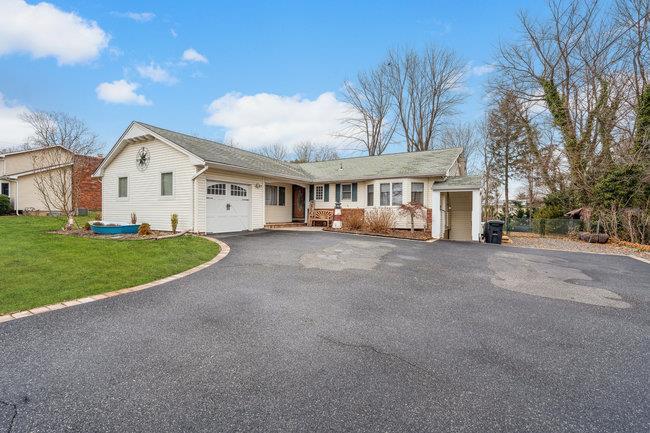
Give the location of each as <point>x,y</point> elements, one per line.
<point>216,188</point>
<point>19,172</point>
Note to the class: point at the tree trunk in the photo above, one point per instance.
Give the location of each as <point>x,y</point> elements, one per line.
<point>506,207</point>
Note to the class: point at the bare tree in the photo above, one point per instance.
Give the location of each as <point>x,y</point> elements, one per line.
<point>371,122</point>
<point>425,88</point>
<point>465,136</point>
<point>508,145</point>
<point>310,152</point>
<point>571,65</point>
<point>275,151</point>
<point>67,141</point>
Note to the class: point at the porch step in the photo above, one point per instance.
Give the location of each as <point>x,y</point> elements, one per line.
<point>283,225</point>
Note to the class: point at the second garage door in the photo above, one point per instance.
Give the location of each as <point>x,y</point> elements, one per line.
<point>228,207</point>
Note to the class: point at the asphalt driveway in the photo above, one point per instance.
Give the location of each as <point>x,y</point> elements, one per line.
<point>326,332</point>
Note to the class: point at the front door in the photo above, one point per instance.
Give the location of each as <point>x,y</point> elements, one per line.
<point>298,208</point>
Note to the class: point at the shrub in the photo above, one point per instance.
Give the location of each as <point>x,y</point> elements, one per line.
<point>134,218</point>
<point>144,229</point>
<point>380,220</point>
<point>174,221</point>
<point>98,216</point>
<point>87,226</point>
<point>353,220</point>
<point>5,205</point>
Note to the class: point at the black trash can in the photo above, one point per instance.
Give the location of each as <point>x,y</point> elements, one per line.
<point>492,231</point>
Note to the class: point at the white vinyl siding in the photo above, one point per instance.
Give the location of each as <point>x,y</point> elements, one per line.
<point>144,187</point>
<point>281,212</point>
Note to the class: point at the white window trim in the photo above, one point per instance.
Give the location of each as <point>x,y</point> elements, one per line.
<point>128,187</point>
<point>322,192</point>
<point>343,198</point>
<point>173,194</point>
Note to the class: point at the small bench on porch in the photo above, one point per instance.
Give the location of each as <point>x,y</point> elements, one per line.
<point>322,215</point>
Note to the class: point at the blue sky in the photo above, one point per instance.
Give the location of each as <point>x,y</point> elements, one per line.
<point>271,67</point>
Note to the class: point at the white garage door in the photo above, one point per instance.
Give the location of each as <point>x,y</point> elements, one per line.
<point>228,207</point>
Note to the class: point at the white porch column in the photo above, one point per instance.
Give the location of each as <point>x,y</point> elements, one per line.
<point>476,215</point>
<point>435,215</point>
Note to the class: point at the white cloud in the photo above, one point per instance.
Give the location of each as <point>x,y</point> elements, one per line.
<point>42,30</point>
<point>481,70</point>
<point>13,131</point>
<point>156,74</point>
<point>121,92</point>
<point>173,33</point>
<point>191,55</point>
<point>264,118</point>
<point>141,17</point>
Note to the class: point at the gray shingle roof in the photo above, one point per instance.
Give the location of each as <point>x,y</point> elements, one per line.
<point>458,182</point>
<point>220,153</point>
<point>407,164</point>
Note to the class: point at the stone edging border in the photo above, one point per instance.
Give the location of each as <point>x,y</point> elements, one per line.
<point>223,252</point>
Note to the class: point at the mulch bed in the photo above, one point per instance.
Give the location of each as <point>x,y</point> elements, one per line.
<point>155,235</point>
<point>418,235</point>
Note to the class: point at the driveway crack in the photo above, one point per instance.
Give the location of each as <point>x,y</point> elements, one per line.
<point>371,348</point>
<point>14,408</point>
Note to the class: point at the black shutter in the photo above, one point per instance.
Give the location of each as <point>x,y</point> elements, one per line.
<point>282,199</point>
<point>311,192</point>
<point>326,192</point>
<point>338,192</point>
<point>354,192</point>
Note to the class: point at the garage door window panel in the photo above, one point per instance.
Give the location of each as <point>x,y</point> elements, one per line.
<point>217,189</point>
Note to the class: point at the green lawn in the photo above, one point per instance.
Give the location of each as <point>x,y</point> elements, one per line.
<point>39,268</point>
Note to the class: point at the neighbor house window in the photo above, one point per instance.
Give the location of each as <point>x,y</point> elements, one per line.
<point>384,194</point>
<point>417,192</point>
<point>397,194</point>
<point>167,184</point>
<point>319,192</point>
<point>123,187</point>
<point>346,191</point>
<point>5,188</point>
<point>271,195</point>
<point>371,195</point>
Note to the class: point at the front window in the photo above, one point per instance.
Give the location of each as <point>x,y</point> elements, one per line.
<point>319,192</point>
<point>397,194</point>
<point>271,195</point>
<point>123,187</point>
<point>167,184</point>
<point>5,188</point>
<point>371,195</point>
<point>384,194</point>
<point>417,192</point>
<point>346,191</point>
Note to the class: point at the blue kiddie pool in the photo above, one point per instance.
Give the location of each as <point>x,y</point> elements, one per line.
<point>114,229</point>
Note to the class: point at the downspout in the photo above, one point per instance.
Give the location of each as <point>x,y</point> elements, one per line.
<point>199,173</point>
